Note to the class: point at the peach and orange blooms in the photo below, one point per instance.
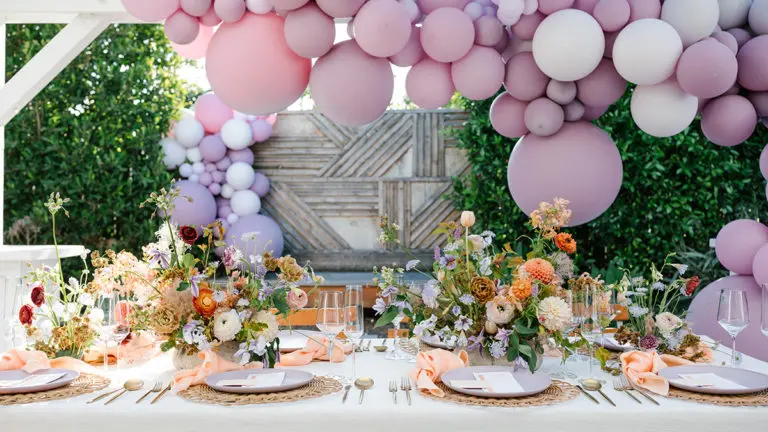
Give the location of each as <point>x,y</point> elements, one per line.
<point>521,289</point>
<point>565,243</point>
<point>205,305</point>
<point>540,269</point>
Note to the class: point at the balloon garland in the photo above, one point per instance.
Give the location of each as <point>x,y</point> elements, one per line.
<point>561,62</point>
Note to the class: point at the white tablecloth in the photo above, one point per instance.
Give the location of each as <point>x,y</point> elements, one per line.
<point>377,413</point>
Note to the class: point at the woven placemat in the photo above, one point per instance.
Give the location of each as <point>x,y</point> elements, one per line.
<point>748,400</point>
<point>84,384</point>
<point>319,386</point>
<point>556,393</point>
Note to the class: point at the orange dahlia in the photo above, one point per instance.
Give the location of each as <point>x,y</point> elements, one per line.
<point>540,269</point>
<point>204,304</point>
<point>565,243</point>
<point>521,289</point>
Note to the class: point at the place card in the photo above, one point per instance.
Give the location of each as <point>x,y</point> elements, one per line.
<point>501,382</point>
<point>31,380</point>
<point>255,381</point>
<point>471,384</point>
<point>708,380</point>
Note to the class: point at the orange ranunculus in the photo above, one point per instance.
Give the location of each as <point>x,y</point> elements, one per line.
<point>540,269</point>
<point>521,289</point>
<point>565,243</point>
<point>204,304</point>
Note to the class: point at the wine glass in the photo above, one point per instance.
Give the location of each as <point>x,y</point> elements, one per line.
<point>564,373</point>
<point>764,310</point>
<point>606,310</point>
<point>330,316</point>
<point>113,328</point>
<point>733,315</point>
<point>354,326</point>
<point>589,322</point>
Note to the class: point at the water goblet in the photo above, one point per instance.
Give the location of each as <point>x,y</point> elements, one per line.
<point>354,326</point>
<point>330,319</point>
<point>733,315</point>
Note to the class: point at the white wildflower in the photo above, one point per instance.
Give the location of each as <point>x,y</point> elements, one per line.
<point>226,325</point>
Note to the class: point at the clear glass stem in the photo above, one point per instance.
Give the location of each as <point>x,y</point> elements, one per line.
<point>117,357</point>
<point>733,351</point>
<point>354,365</point>
<point>591,357</point>
<point>396,347</point>
<point>330,350</point>
<point>106,356</point>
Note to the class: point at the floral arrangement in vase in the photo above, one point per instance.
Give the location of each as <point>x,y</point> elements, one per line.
<point>495,303</point>
<point>653,304</point>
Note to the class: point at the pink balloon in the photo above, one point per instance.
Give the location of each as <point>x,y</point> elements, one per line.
<point>593,113</point>
<point>309,32</point>
<point>582,164</point>
<point>508,116</point>
<point>340,78</point>
<point>412,53</point>
<point>288,5</point>
<point>603,87</point>
<point>586,5</point>
<point>488,31</point>
<point>196,8</point>
<point>561,92</point>
<point>214,188</point>
<point>224,163</point>
<point>242,155</point>
<point>479,74</point>
<point>224,211</point>
<point>212,113</point>
<point>429,84</point>
<point>182,28</point>
<point>574,111</point>
<point>447,34</point>
<point>727,39</point>
<point>210,167</point>
<point>544,117</point>
<point>262,130</point>
<point>197,48</point>
<point>612,15</point>
<point>218,176</point>
<point>340,9</point>
<point>235,65</point>
<point>210,19</point>
<point>742,36</point>
<point>151,10</point>
<point>728,120</point>
<point>610,40</point>
<point>640,9</point>
<point>737,244</point>
<point>503,43</point>
<point>753,64</point>
<point>524,80</point>
<point>760,102</point>
<point>702,315</point>
<point>229,11</point>
<point>382,27</point>
<point>260,185</point>
<point>707,69</point>
<point>760,265</point>
<point>428,6</point>
<point>212,148</point>
<point>526,27</point>
<point>551,6</point>
<point>206,179</point>
<point>270,238</point>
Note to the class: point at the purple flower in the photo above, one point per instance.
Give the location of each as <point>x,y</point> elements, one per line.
<point>266,291</point>
<point>194,284</point>
<point>467,299</point>
<point>430,293</point>
<point>648,343</point>
<point>456,310</point>
<point>448,261</point>
<point>260,271</point>
<point>388,291</point>
<point>535,290</point>
<point>503,336</point>
<point>457,233</point>
<point>410,265</point>
<point>158,257</point>
<point>497,350</point>
<point>437,253</point>
<point>476,342</point>
<point>463,323</point>
<point>379,307</point>
<point>403,305</point>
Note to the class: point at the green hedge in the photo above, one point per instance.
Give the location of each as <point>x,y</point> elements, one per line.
<point>677,192</point>
<point>92,135</point>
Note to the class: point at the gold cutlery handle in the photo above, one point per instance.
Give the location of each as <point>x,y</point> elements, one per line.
<point>168,387</point>
<point>592,398</point>
<point>102,396</point>
<point>116,396</point>
<point>346,393</point>
<point>629,393</point>
<point>408,395</point>
<point>362,395</point>
<point>144,396</point>
<point>647,396</point>
<point>606,397</point>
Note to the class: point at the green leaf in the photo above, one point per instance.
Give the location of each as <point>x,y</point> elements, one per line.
<point>183,286</point>
<point>387,317</point>
<point>281,305</point>
<point>514,347</point>
<point>523,330</point>
<point>189,260</point>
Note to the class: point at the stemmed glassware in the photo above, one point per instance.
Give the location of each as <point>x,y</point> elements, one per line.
<point>112,329</point>
<point>396,353</point>
<point>605,307</point>
<point>585,313</point>
<point>564,373</point>
<point>330,317</point>
<point>764,310</point>
<point>354,326</point>
<point>733,315</point>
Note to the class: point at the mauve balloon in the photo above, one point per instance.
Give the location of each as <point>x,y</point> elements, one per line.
<point>412,53</point>
<point>429,84</point>
<point>181,28</point>
<point>742,36</point>
<point>707,69</point>
<point>382,27</point>
<point>640,9</point>
<point>428,6</point>
<point>212,148</point>
<point>738,242</point>
<point>309,32</point>
<point>526,27</point>
<point>727,39</point>
<point>340,9</point>
<point>753,64</point>
<point>562,92</point>
<point>198,213</point>
<point>447,34</point>
<point>702,315</point>
<point>594,112</point>
<point>479,74</point>
<point>288,5</point>
<point>603,87</point>
<point>550,6</point>
<point>728,120</point>
<point>574,111</point>
<point>196,8</point>
<point>612,15</point>
<point>508,116</point>
<point>760,102</point>
<point>583,166</point>
<point>544,117</point>
<point>760,266</point>
<point>151,10</point>
<point>269,238</point>
<point>488,31</point>
<point>260,185</point>
<point>586,5</point>
<point>243,155</point>
<point>524,80</point>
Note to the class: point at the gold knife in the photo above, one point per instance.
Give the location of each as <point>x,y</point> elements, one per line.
<point>647,396</point>
<point>168,387</point>
<point>588,395</point>
<point>102,396</point>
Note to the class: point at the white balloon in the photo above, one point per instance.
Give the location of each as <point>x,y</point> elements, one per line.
<point>531,6</point>
<point>185,170</point>
<point>193,154</point>
<point>694,20</point>
<point>664,109</point>
<point>258,6</point>
<point>413,10</point>
<point>174,153</point>
<point>195,178</point>
<point>240,175</point>
<point>733,13</point>
<point>568,45</point>
<point>189,132</point>
<point>198,167</point>
<point>236,134</point>
<point>232,218</point>
<point>227,191</point>
<point>351,29</point>
<point>646,51</point>
<point>245,202</point>
<point>474,10</point>
<point>758,17</point>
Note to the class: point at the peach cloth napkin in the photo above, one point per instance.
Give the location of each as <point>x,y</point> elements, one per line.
<point>31,361</point>
<point>642,368</point>
<point>142,347</point>
<point>430,367</point>
<point>316,349</point>
<point>212,364</point>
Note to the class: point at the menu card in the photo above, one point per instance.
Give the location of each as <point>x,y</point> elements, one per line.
<point>31,380</point>
<point>501,382</point>
<point>255,381</point>
<point>707,380</point>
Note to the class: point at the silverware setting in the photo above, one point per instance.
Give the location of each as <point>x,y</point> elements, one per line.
<point>405,385</point>
<point>130,385</point>
<point>393,389</point>
<point>592,398</point>
<point>363,384</point>
<point>103,395</point>
<point>625,383</point>
<point>594,385</point>
<point>368,347</point>
<point>155,389</point>
<point>617,385</point>
<point>346,393</point>
<point>165,390</point>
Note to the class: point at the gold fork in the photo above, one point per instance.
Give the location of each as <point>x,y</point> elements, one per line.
<point>405,385</point>
<point>155,389</point>
<point>625,383</point>
<point>393,389</point>
<point>619,387</point>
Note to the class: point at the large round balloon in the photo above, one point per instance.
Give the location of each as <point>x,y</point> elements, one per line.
<point>693,19</point>
<point>580,163</point>
<point>251,67</point>
<point>382,27</point>
<point>151,10</point>
<point>508,116</point>
<point>429,84</point>
<point>544,117</point>
<point>602,87</point>
<point>267,235</point>
<point>707,69</point>
<point>737,244</point>
<point>753,62</point>
<point>195,205</point>
<point>412,53</point>
<point>646,51</point>
<point>350,86</point>
<point>728,120</point>
<point>702,314</point>
<point>524,80</point>
<point>309,32</point>
<point>760,266</point>
<point>212,113</point>
<point>663,110</point>
<point>568,45</point>
<point>478,75</point>
<point>733,13</point>
<point>340,9</point>
<point>447,34</point>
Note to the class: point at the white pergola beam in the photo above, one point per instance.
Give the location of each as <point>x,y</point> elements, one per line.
<point>61,6</point>
<point>48,63</point>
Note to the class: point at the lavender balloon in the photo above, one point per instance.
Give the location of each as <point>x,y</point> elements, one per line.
<point>544,117</point>
<point>269,237</point>
<point>508,116</point>
<point>261,129</point>
<point>260,185</point>
<point>212,148</point>
<point>728,120</point>
<point>224,163</point>
<point>707,69</point>
<point>764,162</point>
<point>198,213</point>
<point>244,155</point>
<point>737,244</point>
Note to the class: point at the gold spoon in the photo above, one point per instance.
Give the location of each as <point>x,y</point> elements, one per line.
<point>130,385</point>
<point>594,385</point>
<point>380,348</point>
<point>363,384</point>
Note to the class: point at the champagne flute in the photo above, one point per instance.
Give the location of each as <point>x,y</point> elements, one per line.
<point>589,322</point>
<point>764,310</point>
<point>564,373</point>
<point>733,315</point>
<point>353,319</point>
<point>606,310</point>
<point>113,328</point>
<point>330,317</point>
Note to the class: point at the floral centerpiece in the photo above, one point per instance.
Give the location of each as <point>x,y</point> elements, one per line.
<point>495,303</point>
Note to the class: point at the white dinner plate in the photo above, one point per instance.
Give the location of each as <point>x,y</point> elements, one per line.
<point>69,376</point>
<point>294,340</point>
<point>752,381</point>
<point>293,379</point>
<point>610,343</point>
<point>532,383</point>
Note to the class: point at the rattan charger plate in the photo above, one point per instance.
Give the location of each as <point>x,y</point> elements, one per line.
<point>319,386</point>
<point>84,384</point>
<point>556,393</point>
<point>748,400</point>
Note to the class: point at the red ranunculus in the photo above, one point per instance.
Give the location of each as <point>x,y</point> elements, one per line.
<point>38,294</point>
<point>26,314</point>
<point>691,285</point>
<point>188,234</point>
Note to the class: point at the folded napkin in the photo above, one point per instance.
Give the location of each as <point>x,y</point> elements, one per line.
<point>642,368</point>
<point>430,367</point>
<point>212,365</point>
<point>32,361</point>
<point>316,349</point>
<point>140,348</point>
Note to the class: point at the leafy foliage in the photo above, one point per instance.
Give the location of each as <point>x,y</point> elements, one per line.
<point>92,134</point>
<point>677,192</point>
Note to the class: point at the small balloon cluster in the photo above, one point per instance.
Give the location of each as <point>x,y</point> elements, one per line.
<point>211,147</point>
<point>742,248</point>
